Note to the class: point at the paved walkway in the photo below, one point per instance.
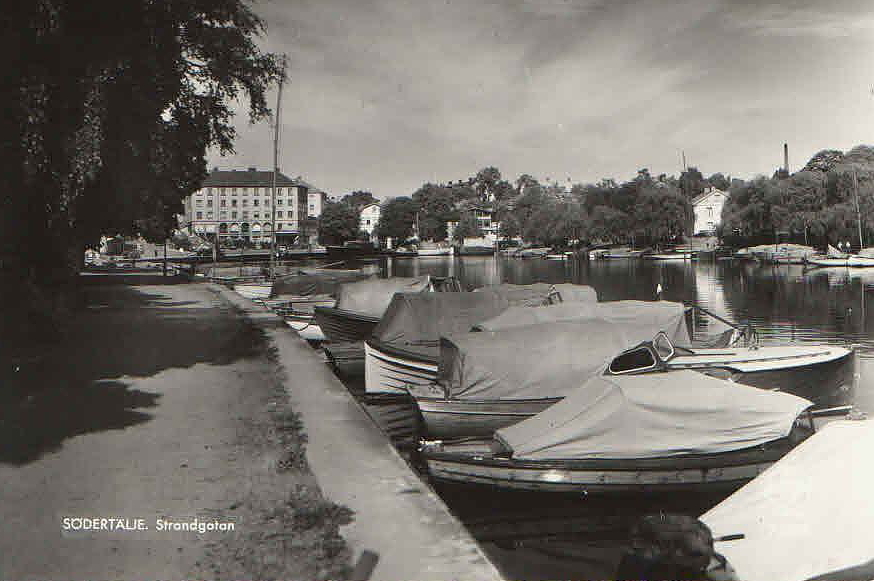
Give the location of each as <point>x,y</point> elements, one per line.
<point>139,414</point>
<point>396,515</point>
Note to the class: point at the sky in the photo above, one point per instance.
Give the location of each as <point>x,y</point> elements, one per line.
<point>385,95</point>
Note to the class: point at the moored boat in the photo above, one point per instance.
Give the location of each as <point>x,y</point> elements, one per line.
<point>485,383</point>
<point>621,433</point>
<point>360,306</point>
<point>434,249</point>
<point>254,290</point>
<point>404,348</point>
<point>807,516</point>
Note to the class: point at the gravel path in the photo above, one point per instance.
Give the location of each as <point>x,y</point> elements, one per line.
<point>159,402</point>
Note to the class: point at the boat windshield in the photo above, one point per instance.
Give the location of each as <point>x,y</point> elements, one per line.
<point>641,358</point>
<point>663,346</point>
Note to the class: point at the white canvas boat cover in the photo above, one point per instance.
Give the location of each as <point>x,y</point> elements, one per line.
<point>316,282</point>
<point>371,297</point>
<point>415,322</point>
<point>654,316</point>
<point>654,415</point>
<point>866,253</point>
<point>533,362</point>
<point>807,515</point>
<point>575,293</point>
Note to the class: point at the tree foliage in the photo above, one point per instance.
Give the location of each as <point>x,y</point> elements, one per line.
<point>113,106</point>
<point>339,222</point>
<point>396,218</point>
<point>358,199</point>
<point>467,227</point>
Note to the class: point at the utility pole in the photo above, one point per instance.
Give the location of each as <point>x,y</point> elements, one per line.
<point>858,211</point>
<point>276,123</point>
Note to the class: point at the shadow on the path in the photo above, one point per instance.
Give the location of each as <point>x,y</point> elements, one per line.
<point>73,383</point>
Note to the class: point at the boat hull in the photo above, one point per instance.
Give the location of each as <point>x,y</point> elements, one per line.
<point>344,326</point>
<point>824,377</point>
<point>856,261</point>
<point>458,418</point>
<point>474,462</point>
<point>393,371</point>
<point>254,291</point>
<point>671,256</point>
<point>434,251</point>
<point>827,261</point>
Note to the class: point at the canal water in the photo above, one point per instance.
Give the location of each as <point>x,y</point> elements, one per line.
<point>541,536</point>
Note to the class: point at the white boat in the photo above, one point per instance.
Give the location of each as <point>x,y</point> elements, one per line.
<point>559,256</point>
<point>620,433</point>
<point>487,381</point>
<point>858,260</point>
<point>254,290</point>
<point>434,249</point>
<point>404,348</point>
<point>679,255</point>
<point>808,516</point>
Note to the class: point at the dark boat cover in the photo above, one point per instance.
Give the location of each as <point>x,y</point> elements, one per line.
<point>654,415</point>
<point>415,322</point>
<point>535,361</point>
<point>659,315</point>
<point>371,297</point>
<point>306,283</point>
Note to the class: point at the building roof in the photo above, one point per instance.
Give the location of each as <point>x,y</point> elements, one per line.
<point>249,177</point>
<point>701,197</point>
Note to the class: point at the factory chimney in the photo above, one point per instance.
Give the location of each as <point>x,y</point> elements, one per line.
<point>786,158</point>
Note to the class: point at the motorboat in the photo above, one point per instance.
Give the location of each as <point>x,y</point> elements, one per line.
<point>404,348</point>
<point>360,305</point>
<point>434,249</point>
<point>679,431</point>
<point>623,253</point>
<point>559,256</point>
<point>832,257</point>
<point>254,290</point>
<point>783,253</point>
<point>807,516</point>
<point>485,381</point>
<point>671,255</point>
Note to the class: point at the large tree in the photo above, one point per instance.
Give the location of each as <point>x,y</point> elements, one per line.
<point>396,219</point>
<point>358,200</point>
<point>338,223</point>
<point>110,109</point>
<point>436,207</point>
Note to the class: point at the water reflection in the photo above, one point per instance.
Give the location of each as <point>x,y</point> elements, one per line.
<point>543,536</point>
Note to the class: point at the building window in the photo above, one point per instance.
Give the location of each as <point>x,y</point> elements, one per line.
<point>222,191</point>
<point>209,191</point>
<point>209,203</point>
<point>200,215</point>
<point>245,203</point>
<point>256,191</point>
<point>367,222</point>
<point>279,202</point>
<point>255,202</point>
<point>233,215</point>
<point>245,191</point>
<point>245,215</point>
<point>223,203</point>
<point>198,203</point>
<point>256,215</point>
<point>233,203</point>
<point>279,213</point>
<point>278,191</point>
<point>223,215</point>
<point>312,208</point>
<point>233,190</point>
<point>209,215</point>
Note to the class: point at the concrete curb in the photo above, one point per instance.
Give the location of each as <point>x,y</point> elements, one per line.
<point>397,515</point>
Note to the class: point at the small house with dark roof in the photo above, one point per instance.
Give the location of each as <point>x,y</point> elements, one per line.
<point>239,206</point>
<point>708,210</point>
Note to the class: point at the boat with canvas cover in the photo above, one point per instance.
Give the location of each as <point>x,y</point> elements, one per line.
<point>434,249</point>
<point>297,295</point>
<point>404,348</point>
<point>254,290</point>
<point>808,515</point>
<point>486,382</point>
<point>644,433</point>
<point>360,305</point>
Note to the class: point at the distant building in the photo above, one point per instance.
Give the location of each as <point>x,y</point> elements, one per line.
<point>237,206</point>
<point>708,210</point>
<point>485,220</point>
<point>369,219</point>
